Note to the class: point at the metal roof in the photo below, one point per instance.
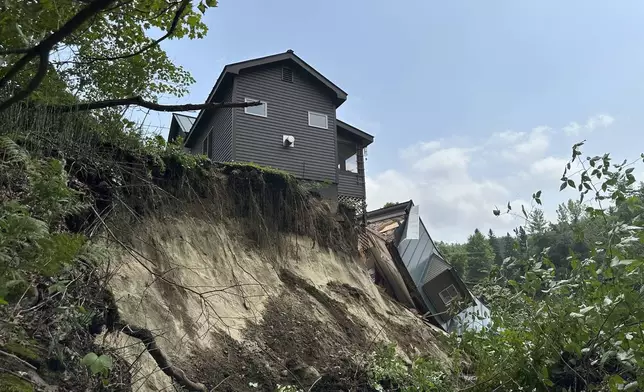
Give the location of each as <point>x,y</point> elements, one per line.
<point>185,122</point>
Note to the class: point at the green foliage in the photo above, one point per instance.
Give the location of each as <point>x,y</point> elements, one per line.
<point>456,255</point>
<point>389,204</point>
<point>80,66</point>
<point>30,242</point>
<point>570,318</point>
<point>480,257</point>
<point>98,364</point>
<point>387,371</point>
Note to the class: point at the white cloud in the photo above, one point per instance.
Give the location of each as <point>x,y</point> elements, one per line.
<point>549,167</point>
<point>416,150</point>
<point>527,145</point>
<point>593,122</point>
<point>457,183</point>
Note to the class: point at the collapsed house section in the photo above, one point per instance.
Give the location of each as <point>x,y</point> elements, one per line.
<point>404,260</point>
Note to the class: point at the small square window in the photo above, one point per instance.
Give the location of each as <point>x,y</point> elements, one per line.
<point>318,120</point>
<point>449,294</point>
<point>259,110</point>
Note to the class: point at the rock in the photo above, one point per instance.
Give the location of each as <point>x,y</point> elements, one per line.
<point>308,373</point>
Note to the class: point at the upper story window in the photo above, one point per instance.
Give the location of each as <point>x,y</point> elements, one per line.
<point>318,120</point>
<point>287,75</point>
<point>259,110</point>
<point>449,294</point>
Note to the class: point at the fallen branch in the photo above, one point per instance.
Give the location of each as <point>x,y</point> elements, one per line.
<point>139,101</point>
<point>148,339</point>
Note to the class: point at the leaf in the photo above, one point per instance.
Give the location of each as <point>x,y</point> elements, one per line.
<point>509,207</point>
<point>563,186</point>
<point>3,302</point>
<point>571,183</point>
<point>202,8</point>
<point>538,194</point>
<point>496,212</point>
<point>211,3</point>
<point>89,359</point>
<point>630,170</point>
<point>523,210</point>
<point>97,364</point>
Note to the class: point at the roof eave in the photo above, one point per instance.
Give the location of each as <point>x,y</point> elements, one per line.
<point>355,131</point>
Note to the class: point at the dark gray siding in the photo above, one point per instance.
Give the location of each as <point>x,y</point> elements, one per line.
<point>220,123</point>
<point>259,139</point>
<point>438,284</point>
<point>350,184</point>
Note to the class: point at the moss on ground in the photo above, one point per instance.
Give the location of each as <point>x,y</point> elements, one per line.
<point>21,350</point>
<point>11,383</point>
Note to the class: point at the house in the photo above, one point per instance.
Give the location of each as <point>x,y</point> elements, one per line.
<point>295,128</point>
<point>433,284</point>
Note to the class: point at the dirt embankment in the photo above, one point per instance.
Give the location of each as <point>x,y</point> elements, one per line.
<point>234,317</point>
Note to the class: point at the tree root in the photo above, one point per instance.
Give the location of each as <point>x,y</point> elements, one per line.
<point>148,339</point>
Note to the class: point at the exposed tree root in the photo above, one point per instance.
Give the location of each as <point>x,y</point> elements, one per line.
<point>148,339</point>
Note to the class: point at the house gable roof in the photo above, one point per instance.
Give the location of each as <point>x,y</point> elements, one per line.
<point>233,69</point>
<point>180,125</point>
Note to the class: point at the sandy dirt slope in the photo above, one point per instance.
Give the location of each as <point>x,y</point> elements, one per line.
<point>239,318</point>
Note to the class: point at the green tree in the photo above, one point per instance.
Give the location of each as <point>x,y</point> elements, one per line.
<point>71,51</point>
<point>456,255</point>
<point>480,257</point>
<point>496,247</point>
<point>537,223</point>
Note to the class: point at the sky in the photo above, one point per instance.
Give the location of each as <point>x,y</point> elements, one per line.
<point>473,104</point>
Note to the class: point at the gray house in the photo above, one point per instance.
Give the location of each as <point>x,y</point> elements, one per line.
<point>294,129</point>
<point>432,283</point>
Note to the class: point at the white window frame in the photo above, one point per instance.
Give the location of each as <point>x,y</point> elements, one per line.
<point>264,105</point>
<point>319,114</point>
<point>440,294</point>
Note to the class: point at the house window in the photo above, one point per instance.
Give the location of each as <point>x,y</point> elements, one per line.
<point>287,75</point>
<point>318,120</point>
<point>449,294</point>
<point>347,157</point>
<point>206,145</point>
<point>259,110</point>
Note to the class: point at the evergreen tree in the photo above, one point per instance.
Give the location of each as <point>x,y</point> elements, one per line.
<point>537,222</point>
<point>480,257</point>
<point>509,246</point>
<point>522,238</point>
<point>496,247</point>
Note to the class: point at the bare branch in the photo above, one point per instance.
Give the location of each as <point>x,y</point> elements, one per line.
<point>147,338</point>
<point>139,101</point>
<point>42,51</point>
<point>173,27</point>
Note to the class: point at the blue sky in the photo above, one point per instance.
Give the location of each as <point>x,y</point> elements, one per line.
<point>472,103</point>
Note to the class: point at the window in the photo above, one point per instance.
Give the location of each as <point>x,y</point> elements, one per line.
<point>449,294</point>
<point>206,145</point>
<point>259,110</point>
<point>287,75</point>
<point>347,156</point>
<point>318,120</point>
